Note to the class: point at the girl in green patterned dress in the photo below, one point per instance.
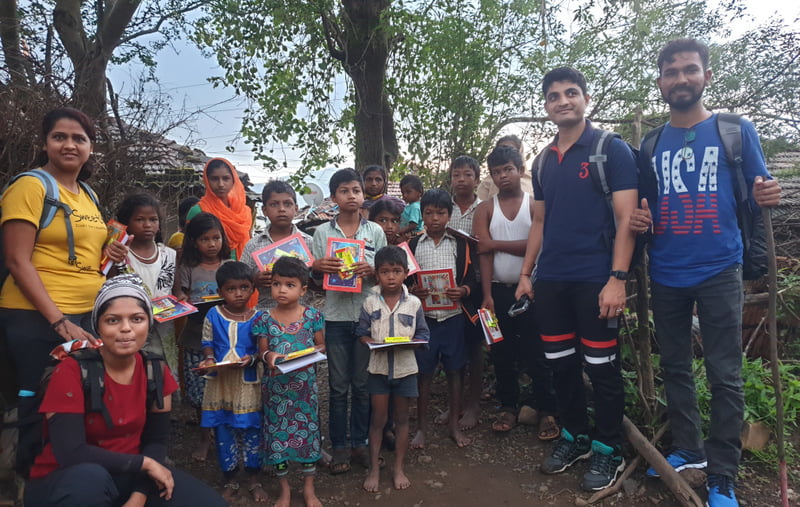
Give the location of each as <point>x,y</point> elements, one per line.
<point>291,415</point>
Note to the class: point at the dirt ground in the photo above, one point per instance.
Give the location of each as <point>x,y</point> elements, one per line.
<point>497,469</point>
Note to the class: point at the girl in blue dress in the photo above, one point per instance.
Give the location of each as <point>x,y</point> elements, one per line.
<point>291,415</point>
<point>232,398</point>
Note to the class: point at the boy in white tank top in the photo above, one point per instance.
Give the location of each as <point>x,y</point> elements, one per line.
<point>502,226</point>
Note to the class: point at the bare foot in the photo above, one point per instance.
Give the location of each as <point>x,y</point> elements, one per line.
<point>284,500</point>
<point>259,495</point>
<point>469,419</point>
<point>371,483</point>
<point>401,481</point>
<point>310,497</point>
<point>418,442</point>
<point>200,452</point>
<point>229,490</point>
<point>459,438</point>
<point>442,418</point>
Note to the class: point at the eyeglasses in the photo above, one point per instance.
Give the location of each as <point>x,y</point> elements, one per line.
<point>688,137</point>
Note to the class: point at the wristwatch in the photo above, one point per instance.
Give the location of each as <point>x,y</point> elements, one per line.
<point>620,275</point>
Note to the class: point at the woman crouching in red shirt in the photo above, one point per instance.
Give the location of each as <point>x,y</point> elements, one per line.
<point>88,463</point>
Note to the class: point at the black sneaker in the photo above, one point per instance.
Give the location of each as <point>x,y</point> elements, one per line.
<point>604,466</point>
<point>567,451</point>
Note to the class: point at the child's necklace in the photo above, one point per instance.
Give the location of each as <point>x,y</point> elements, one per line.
<point>237,315</point>
<point>146,259</point>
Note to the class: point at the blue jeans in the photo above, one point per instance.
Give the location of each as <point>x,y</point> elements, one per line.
<point>719,309</point>
<point>348,359</point>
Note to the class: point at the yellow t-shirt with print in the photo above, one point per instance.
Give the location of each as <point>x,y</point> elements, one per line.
<point>73,288</point>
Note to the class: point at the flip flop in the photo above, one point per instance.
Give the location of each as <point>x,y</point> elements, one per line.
<point>505,422</point>
<point>548,428</point>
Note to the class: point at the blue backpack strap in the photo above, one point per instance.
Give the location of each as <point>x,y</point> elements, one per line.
<point>51,194</point>
<point>90,192</point>
<point>52,203</point>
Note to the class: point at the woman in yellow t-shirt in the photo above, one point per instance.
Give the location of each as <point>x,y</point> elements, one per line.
<point>47,298</point>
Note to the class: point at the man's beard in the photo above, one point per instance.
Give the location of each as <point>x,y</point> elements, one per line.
<point>686,103</point>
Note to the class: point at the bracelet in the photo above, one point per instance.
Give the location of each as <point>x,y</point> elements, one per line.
<point>526,275</point>
<point>264,355</point>
<point>56,324</point>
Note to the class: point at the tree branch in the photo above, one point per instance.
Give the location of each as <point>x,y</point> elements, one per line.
<point>113,25</point>
<point>68,23</point>
<point>333,37</point>
<point>163,19</point>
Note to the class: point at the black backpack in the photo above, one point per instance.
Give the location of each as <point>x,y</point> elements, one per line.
<point>93,383</point>
<point>598,157</point>
<point>748,215</point>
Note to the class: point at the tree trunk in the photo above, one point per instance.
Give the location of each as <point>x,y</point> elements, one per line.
<point>365,62</point>
<point>90,57</point>
<point>9,34</point>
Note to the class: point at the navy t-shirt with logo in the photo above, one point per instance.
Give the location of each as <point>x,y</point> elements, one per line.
<point>578,224</point>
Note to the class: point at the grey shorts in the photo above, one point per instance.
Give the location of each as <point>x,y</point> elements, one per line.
<point>380,384</point>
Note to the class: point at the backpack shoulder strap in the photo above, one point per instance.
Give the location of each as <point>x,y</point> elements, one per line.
<point>598,156</point>
<point>90,192</point>
<point>154,367</point>
<point>93,382</point>
<point>51,194</point>
<point>539,161</point>
<point>730,132</point>
<point>412,244</point>
<point>648,146</point>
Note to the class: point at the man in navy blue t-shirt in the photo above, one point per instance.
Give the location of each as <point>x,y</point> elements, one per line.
<point>695,258</point>
<point>580,278</point>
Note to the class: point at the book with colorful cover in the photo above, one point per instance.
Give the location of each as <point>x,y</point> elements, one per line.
<point>216,366</point>
<point>292,246</point>
<point>166,308</point>
<point>491,326</point>
<point>350,251</point>
<point>437,281</point>
<point>413,265</point>
<point>299,359</point>
<point>115,232</point>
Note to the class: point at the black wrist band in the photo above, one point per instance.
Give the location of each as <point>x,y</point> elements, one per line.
<point>54,325</point>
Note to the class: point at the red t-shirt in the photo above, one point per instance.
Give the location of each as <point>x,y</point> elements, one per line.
<point>125,403</point>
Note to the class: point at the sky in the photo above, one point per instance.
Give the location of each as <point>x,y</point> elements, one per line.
<point>183,74</point>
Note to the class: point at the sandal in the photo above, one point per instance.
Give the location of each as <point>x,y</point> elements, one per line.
<point>505,421</point>
<point>548,428</point>
<point>340,464</point>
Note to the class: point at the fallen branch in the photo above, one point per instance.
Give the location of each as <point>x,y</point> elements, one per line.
<point>671,479</point>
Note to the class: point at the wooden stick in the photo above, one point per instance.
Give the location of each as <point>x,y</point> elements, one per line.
<point>671,479</point>
<point>766,215</point>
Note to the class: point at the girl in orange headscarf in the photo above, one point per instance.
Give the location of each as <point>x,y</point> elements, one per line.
<point>225,199</point>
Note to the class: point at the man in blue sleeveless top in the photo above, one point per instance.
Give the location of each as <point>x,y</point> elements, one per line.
<point>696,258</point>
